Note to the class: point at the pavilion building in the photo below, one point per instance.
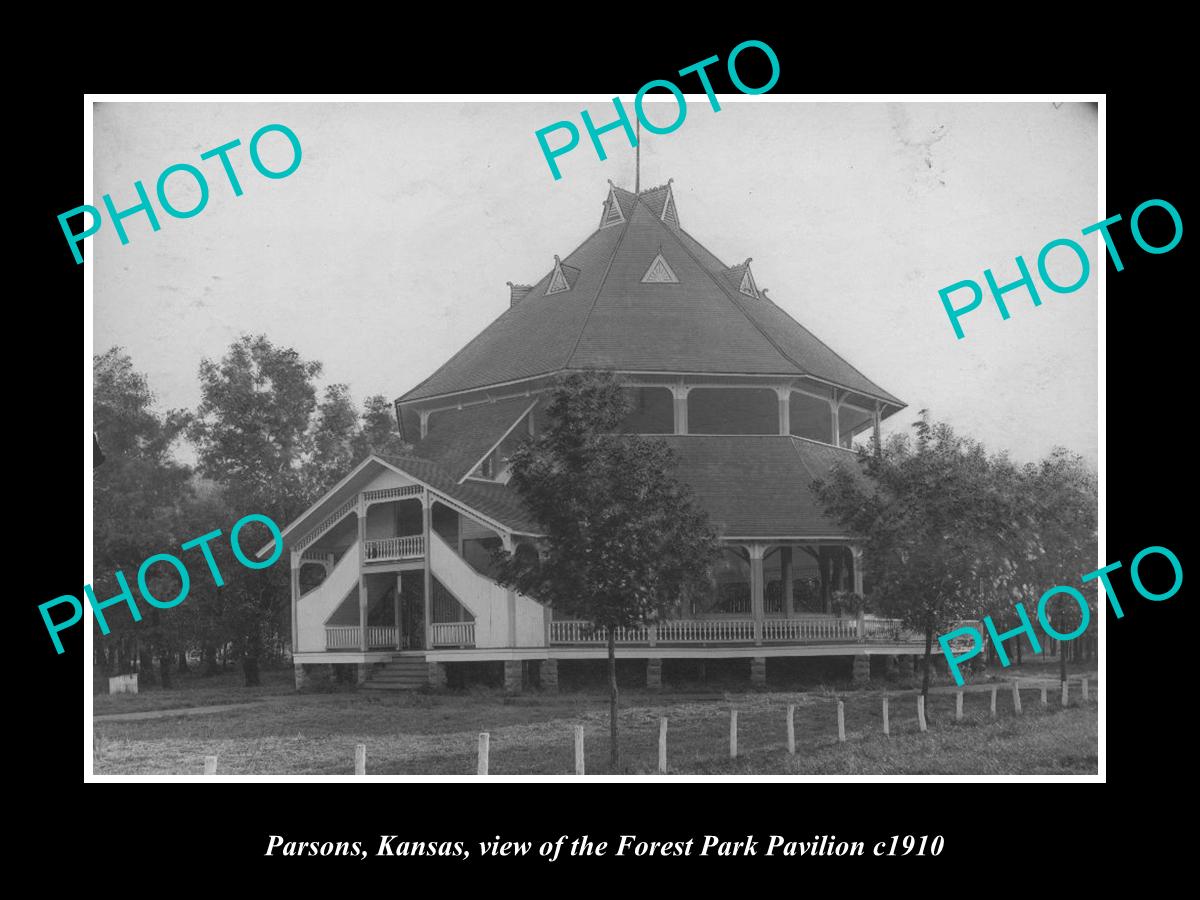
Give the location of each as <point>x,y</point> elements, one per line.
<point>390,569</point>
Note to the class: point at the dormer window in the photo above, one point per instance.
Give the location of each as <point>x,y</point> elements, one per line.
<point>562,279</point>
<point>659,272</point>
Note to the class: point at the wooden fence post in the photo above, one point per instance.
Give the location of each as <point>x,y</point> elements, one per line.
<point>1017,695</point>
<point>841,722</point>
<point>733,734</point>
<point>994,701</point>
<point>1084,682</point>
<point>578,749</point>
<point>210,765</point>
<point>791,728</point>
<point>1066,685</point>
<point>958,700</point>
<point>886,728</point>
<point>662,745</point>
<point>360,759</point>
<point>484,737</point>
<point>1045,702</point>
<point>921,711</point>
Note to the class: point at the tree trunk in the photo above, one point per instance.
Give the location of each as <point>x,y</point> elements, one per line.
<point>164,668</point>
<point>210,661</point>
<point>1018,649</point>
<point>183,663</point>
<point>928,657</point>
<point>614,748</point>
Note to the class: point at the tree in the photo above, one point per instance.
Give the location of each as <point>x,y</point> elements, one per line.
<point>1060,497</point>
<point>137,494</point>
<point>623,541</point>
<point>254,436</point>
<point>938,518</point>
<point>378,434</point>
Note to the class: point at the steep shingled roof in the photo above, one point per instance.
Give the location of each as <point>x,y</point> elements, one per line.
<point>458,439</point>
<point>768,493</point>
<point>611,319</point>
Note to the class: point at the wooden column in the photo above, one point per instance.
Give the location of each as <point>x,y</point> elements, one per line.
<point>757,552</point>
<point>506,540</point>
<point>295,600</point>
<point>362,579</point>
<point>835,404</point>
<point>679,393</point>
<point>427,511</point>
<point>878,416</point>
<point>785,409</point>
<point>786,585</point>
<point>396,612</point>
<point>856,555</point>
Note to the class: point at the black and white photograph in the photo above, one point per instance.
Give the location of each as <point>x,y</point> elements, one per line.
<point>427,445</point>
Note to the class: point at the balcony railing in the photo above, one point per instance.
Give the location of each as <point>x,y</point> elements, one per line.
<point>409,547</point>
<point>807,630</point>
<point>393,493</point>
<point>345,637</point>
<point>453,634</point>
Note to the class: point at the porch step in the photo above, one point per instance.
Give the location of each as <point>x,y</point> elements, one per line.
<point>409,673</point>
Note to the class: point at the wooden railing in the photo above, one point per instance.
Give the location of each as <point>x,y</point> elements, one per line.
<point>811,629</point>
<point>453,634</point>
<point>328,522</point>
<point>393,493</point>
<point>408,547</point>
<point>341,637</point>
<point>345,637</point>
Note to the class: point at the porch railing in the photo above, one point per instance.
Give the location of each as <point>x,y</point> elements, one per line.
<point>453,634</point>
<point>409,547</point>
<point>730,631</point>
<point>345,637</point>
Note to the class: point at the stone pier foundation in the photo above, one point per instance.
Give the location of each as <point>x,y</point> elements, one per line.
<point>758,671</point>
<point>548,673</point>
<point>654,674</point>
<point>513,676</point>
<point>906,668</point>
<point>310,675</point>
<point>437,675</point>
<point>861,672</point>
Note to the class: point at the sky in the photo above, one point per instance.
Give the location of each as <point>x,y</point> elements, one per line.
<point>391,245</point>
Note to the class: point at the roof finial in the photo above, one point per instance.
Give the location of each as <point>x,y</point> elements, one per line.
<point>557,261</point>
<point>749,259</point>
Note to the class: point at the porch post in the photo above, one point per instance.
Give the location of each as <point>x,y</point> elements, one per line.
<point>756,588</point>
<point>835,403</point>
<point>785,408</point>
<point>680,394</point>
<point>295,580</point>
<point>427,515</point>
<point>856,553</point>
<point>396,611</point>
<point>785,561</point>
<point>362,579</point>
<point>878,412</point>
<point>506,540</point>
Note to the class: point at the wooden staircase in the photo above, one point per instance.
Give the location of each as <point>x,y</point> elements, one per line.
<point>407,673</point>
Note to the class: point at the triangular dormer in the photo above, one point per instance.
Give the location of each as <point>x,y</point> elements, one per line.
<point>558,281</point>
<point>669,215</point>
<point>613,215</point>
<point>659,272</point>
<point>748,287</point>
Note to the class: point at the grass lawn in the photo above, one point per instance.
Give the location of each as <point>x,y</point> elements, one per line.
<point>195,690</point>
<point>409,733</point>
